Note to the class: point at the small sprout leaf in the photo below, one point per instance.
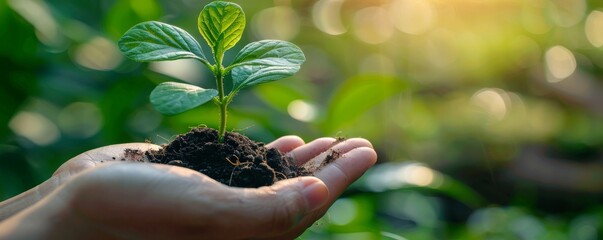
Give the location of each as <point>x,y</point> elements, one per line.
<point>171,98</point>
<point>221,24</point>
<point>157,41</point>
<point>265,61</point>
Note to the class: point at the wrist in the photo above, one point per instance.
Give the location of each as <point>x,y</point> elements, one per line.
<point>50,218</point>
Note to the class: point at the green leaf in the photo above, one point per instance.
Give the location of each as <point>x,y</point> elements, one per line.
<point>221,24</point>
<point>249,75</point>
<point>157,41</point>
<point>270,53</point>
<point>172,98</point>
<point>265,61</point>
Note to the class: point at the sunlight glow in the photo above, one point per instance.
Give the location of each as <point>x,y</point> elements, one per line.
<point>326,15</point>
<point>560,63</point>
<point>372,25</point>
<point>594,28</point>
<point>440,50</point>
<point>280,22</point>
<point>419,175</point>
<point>412,16</point>
<point>302,110</point>
<point>394,176</point>
<point>533,17</point>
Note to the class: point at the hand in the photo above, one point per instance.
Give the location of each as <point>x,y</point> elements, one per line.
<point>94,196</point>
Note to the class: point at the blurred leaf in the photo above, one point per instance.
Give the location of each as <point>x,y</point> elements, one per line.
<point>157,41</point>
<point>20,65</point>
<point>278,96</point>
<point>126,13</point>
<point>16,173</point>
<point>358,95</point>
<point>382,178</point>
<point>171,98</point>
<point>25,49</point>
<point>265,61</point>
<point>222,25</point>
<point>128,94</point>
<point>14,92</point>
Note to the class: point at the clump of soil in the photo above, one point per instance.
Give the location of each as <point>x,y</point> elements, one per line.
<point>238,161</point>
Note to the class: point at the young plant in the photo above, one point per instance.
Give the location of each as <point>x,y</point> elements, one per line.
<point>221,24</point>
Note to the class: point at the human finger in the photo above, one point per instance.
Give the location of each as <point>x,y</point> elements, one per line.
<point>336,149</point>
<point>275,210</point>
<point>337,176</point>
<point>310,150</point>
<point>342,172</point>
<point>286,144</point>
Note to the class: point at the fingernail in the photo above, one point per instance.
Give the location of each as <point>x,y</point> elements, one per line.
<point>316,195</point>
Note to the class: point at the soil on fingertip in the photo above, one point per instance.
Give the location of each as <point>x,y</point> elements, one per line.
<point>237,161</point>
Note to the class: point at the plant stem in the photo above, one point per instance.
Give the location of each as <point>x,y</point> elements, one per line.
<point>223,104</point>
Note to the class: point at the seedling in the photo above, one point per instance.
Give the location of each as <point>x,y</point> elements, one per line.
<point>221,24</point>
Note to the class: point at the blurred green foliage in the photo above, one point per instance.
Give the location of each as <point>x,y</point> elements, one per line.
<point>486,114</point>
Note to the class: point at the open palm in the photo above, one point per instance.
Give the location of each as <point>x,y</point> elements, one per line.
<point>102,197</point>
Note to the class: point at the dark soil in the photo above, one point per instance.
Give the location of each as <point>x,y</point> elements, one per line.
<point>238,161</point>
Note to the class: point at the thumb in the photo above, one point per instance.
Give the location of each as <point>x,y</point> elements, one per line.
<point>278,208</point>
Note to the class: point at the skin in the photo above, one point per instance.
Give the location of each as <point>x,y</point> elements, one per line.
<point>92,196</point>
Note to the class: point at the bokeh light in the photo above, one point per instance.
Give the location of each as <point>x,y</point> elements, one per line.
<point>80,120</point>
<point>326,15</point>
<point>419,175</point>
<point>302,110</point>
<point>560,63</point>
<point>494,102</point>
<point>35,127</point>
<point>98,54</point>
<point>412,16</point>
<point>281,22</point>
<point>372,25</point>
<point>345,210</point>
<point>593,29</point>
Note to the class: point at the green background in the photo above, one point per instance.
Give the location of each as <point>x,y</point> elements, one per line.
<point>486,115</point>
